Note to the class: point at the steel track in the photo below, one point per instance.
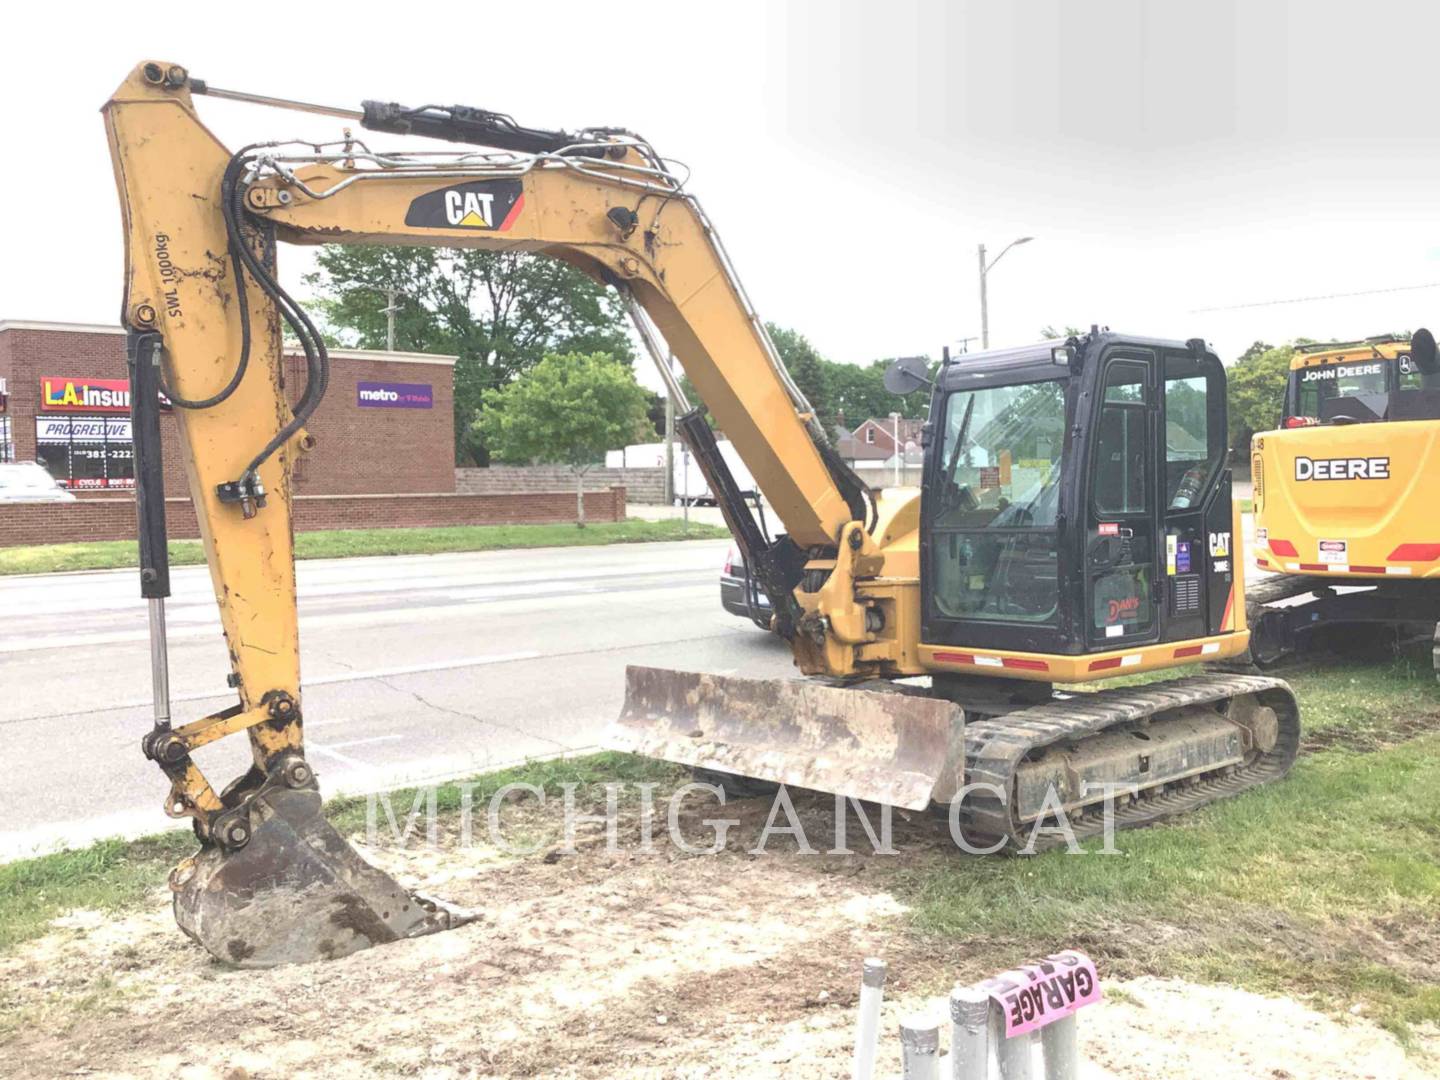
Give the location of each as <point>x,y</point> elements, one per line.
<point>995,748</point>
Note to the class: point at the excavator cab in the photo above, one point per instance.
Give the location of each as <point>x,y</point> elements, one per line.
<point>1076,498</point>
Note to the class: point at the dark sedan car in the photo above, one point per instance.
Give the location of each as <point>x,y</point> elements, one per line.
<point>738,596</point>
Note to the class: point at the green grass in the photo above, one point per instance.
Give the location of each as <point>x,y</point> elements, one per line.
<point>111,875</point>
<point>116,875</point>
<point>348,543</point>
<point>1364,696</point>
<point>1344,836</point>
<point>1296,887</point>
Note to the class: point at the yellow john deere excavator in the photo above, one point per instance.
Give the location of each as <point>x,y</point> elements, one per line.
<point>1345,514</point>
<point>1075,521</point>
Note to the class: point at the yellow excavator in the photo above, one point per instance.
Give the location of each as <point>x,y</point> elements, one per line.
<point>1345,515</point>
<point>1075,523</point>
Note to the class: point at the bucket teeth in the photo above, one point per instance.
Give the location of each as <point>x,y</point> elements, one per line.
<point>296,892</point>
<point>884,747</point>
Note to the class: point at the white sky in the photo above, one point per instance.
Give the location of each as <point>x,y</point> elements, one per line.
<point>1167,157</point>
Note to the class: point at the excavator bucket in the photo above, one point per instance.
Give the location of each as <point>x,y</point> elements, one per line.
<point>884,747</point>
<point>296,892</point>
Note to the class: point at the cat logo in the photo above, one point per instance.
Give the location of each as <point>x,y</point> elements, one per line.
<point>481,205</point>
<point>1219,545</point>
<point>469,208</point>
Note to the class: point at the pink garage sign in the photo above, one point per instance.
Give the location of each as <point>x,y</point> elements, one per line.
<point>1038,994</point>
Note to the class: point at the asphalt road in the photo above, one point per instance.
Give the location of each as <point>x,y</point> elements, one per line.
<point>414,668</point>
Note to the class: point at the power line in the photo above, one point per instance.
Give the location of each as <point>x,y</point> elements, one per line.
<point>1311,299</point>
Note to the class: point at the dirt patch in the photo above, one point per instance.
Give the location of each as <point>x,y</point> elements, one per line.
<point>605,964</point>
<point>1392,731</point>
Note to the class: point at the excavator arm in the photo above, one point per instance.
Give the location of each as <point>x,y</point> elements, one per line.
<point>206,316</point>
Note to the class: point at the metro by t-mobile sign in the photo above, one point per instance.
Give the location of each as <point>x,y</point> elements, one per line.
<point>388,395</point>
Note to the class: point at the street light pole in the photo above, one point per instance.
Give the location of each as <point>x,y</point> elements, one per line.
<point>984,304</point>
<point>985,269</point>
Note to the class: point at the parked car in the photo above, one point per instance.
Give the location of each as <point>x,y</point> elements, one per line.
<point>736,595</point>
<point>29,481</point>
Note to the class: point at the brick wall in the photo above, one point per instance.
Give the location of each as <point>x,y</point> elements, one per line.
<point>358,450</point>
<point>112,517</point>
<point>643,485</point>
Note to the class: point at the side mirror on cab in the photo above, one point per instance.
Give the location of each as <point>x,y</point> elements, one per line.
<point>908,374</point>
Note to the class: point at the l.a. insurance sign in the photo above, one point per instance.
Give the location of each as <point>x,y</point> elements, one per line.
<point>60,393</point>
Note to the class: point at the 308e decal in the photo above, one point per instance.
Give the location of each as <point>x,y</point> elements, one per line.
<point>489,205</point>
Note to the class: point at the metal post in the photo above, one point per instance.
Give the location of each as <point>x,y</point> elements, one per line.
<point>920,1048</point>
<point>899,451</point>
<point>670,446</point>
<point>1061,1047</point>
<point>867,1025</point>
<point>685,488</point>
<point>969,1034</point>
<point>1012,1055</point>
<point>984,310</point>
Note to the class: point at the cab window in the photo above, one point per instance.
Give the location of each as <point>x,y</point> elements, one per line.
<point>1194,429</point>
<point>1319,383</point>
<point>994,553</point>
<point>1121,468</point>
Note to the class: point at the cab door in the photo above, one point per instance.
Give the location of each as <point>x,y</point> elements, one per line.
<point>1122,586</point>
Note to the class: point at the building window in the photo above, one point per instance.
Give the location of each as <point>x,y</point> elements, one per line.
<point>86,451</point>
<point>7,444</point>
<point>870,436</point>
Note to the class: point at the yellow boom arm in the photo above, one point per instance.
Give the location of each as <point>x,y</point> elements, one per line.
<point>193,210</point>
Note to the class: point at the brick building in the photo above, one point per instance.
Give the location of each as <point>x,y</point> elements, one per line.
<point>386,425</point>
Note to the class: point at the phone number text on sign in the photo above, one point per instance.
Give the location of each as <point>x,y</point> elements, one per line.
<point>1038,994</point>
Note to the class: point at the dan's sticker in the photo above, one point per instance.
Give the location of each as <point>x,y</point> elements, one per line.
<point>1334,551</point>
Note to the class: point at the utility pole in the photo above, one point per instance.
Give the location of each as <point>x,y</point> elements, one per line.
<point>985,269</point>
<point>391,293</point>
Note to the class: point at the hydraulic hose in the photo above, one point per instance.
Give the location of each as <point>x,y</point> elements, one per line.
<point>317,358</point>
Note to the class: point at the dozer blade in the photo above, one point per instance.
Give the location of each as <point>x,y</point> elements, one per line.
<point>894,748</point>
<point>296,892</point>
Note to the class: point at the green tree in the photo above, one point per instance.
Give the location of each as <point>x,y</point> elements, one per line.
<point>858,392</point>
<point>806,366</point>
<point>841,394</point>
<point>1257,391</point>
<point>568,409</point>
<point>499,312</point>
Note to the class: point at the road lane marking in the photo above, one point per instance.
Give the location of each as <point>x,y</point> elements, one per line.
<point>323,680</point>
<point>420,669</point>
<point>364,742</point>
<point>344,759</point>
